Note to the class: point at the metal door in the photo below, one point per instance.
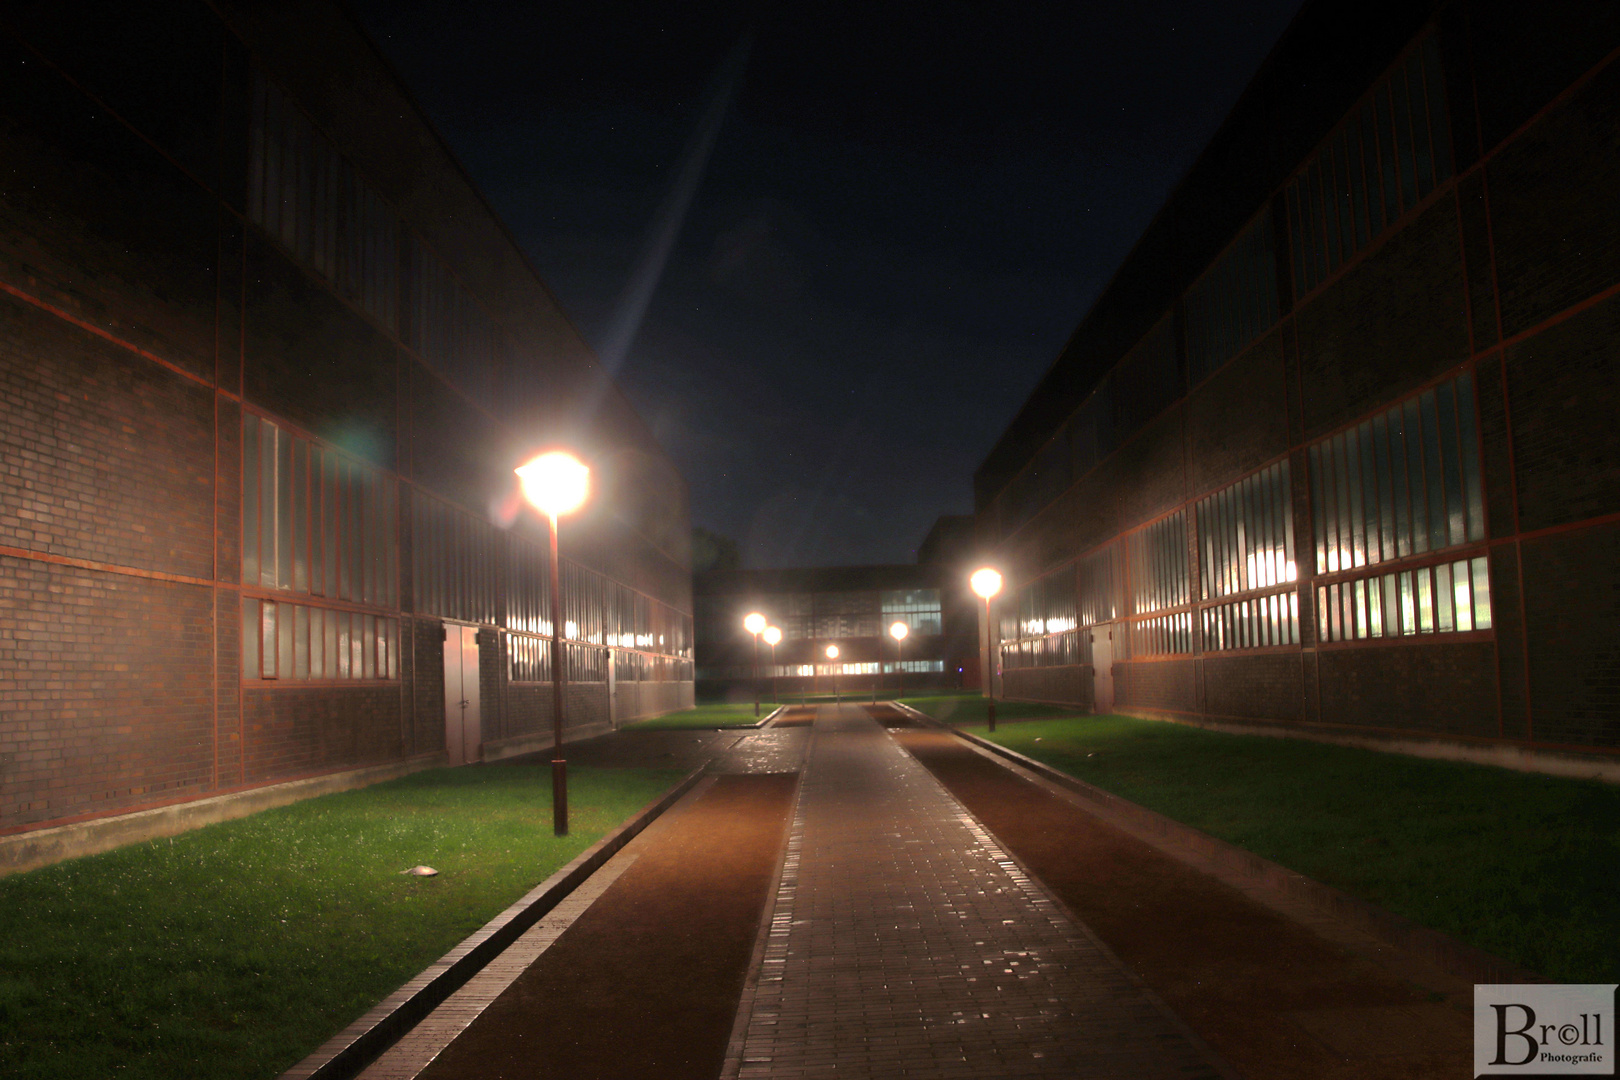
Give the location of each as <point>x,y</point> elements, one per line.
<point>1102,666</point>
<point>462,723</point>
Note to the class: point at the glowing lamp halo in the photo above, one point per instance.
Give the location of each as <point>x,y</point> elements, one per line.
<point>899,631</point>
<point>832,652</point>
<point>772,635</point>
<point>754,622</point>
<point>986,582</point>
<point>555,482</point>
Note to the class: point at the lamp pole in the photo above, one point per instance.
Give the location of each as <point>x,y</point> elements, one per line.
<point>556,483</point>
<point>898,631</point>
<point>772,636</point>
<point>987,582</point>
<point>754,624</point>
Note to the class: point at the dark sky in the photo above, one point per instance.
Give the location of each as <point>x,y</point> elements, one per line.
<point>908,208</point>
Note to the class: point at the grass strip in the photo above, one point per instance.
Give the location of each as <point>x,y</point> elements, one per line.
<point>1522,865</point>
<point>706,717</point>
<point>237,949</point>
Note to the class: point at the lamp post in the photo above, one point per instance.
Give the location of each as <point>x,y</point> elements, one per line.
<point>898,631</point>
<point>772,636</point>
<point>987,582</point>
<point>754,624</point>
<point>556,483</point>
<point>832,654</point>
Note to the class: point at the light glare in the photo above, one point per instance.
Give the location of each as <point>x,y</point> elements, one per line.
<point>556,482</point>
<point>899,631</point>
<point>772,635</point>
<point>754,622</point>
<point>986,582</point>
<point>832,652</point>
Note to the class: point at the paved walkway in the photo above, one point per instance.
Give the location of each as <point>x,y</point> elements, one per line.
<point>904,942</point>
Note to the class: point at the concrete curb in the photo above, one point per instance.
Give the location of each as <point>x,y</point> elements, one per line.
<point>362,1042</point>
<point>1443,951</point>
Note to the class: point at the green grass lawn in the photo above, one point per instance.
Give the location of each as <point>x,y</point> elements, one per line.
<point>236,949</point>
<point>706,717</point>
<point>1522,865</point>
<point>970,707</point>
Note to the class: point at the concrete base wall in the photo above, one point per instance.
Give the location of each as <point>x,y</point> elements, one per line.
<point>41,847</point>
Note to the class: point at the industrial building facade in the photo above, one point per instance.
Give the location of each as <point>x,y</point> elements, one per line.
<point>1335,449</point>
<point>268,364</point>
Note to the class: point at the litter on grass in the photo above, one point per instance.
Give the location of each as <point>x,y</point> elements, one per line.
<point>421,871</point>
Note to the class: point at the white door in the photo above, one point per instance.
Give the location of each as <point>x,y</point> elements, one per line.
<point>462,725</point>
<point>1102,665</point>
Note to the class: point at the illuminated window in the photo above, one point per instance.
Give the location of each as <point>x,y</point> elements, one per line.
<point>1404,483</point>
<point>1160,581</point>
<point>299,643</point>
<point>1446,598</point>
<point>1256,623</point>
<point>917,608</point>
<point>314,521</point>
<point>1246,534</point>
<point>454,562</point>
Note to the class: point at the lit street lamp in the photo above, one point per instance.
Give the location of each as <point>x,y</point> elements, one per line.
<point>987,582</point>
<point>754,624</point>
<point>898,631</point>
<point>556,483</point>
<point>832,654</point>
<point>772,636</point>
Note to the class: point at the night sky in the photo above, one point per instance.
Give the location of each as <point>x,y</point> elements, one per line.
<point>905,210</point>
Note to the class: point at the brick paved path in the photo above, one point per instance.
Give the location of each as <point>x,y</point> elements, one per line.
<point>904,942</point>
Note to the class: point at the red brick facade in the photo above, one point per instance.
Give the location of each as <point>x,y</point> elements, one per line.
<point>144,311</point>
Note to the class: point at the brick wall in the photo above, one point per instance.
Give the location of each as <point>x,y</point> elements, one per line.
<point>1510,271</point>
<point>138,314</point>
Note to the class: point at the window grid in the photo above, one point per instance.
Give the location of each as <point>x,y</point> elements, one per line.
<point>1255,623</point>
<point>1158,565</point>
<point>455,562</point>
<point>1162,635</point>
<point>1234,302</point>
<point>299,643</point>
<point>306,195</point>
<point>1101,586</point>
<point>313,521</point>
<point>1246,534</point>
<point>1403,483</point>
<point>1445,598</point>
<point>1389,154</point>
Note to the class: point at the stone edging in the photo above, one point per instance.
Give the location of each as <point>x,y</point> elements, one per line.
<point>356,1046</point>
<point>1445,952</point>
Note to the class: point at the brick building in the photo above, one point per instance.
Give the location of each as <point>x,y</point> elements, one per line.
<point>1335,448</point>
<point>851,607</point>
<point>268,362</point>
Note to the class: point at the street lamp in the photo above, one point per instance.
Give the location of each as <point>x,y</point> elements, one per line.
<point>556,483</point>
<point>832,654</point>
<point>754,623</point>
<point>898,631</point>
<point>772,636</point>
<point>987,582</point>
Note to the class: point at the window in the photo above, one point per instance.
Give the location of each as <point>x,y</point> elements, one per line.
<point>1256,623</point>
<point>1391,151</point>
<point>298,643</point>
<point>1246,534</point>
<point>303,193</point>
<point>1404,483</point>
<point>449,328</point>
<point>1234,302</point>
<point>314,521</point>
<point>1445,598</point>
<point>1101,586</point>
<point>454,561</point>
<point>917,608</point>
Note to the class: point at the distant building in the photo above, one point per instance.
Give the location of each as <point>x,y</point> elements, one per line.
<point>1337,445</point>
<point>852,607</point>
<point>269,364</point>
